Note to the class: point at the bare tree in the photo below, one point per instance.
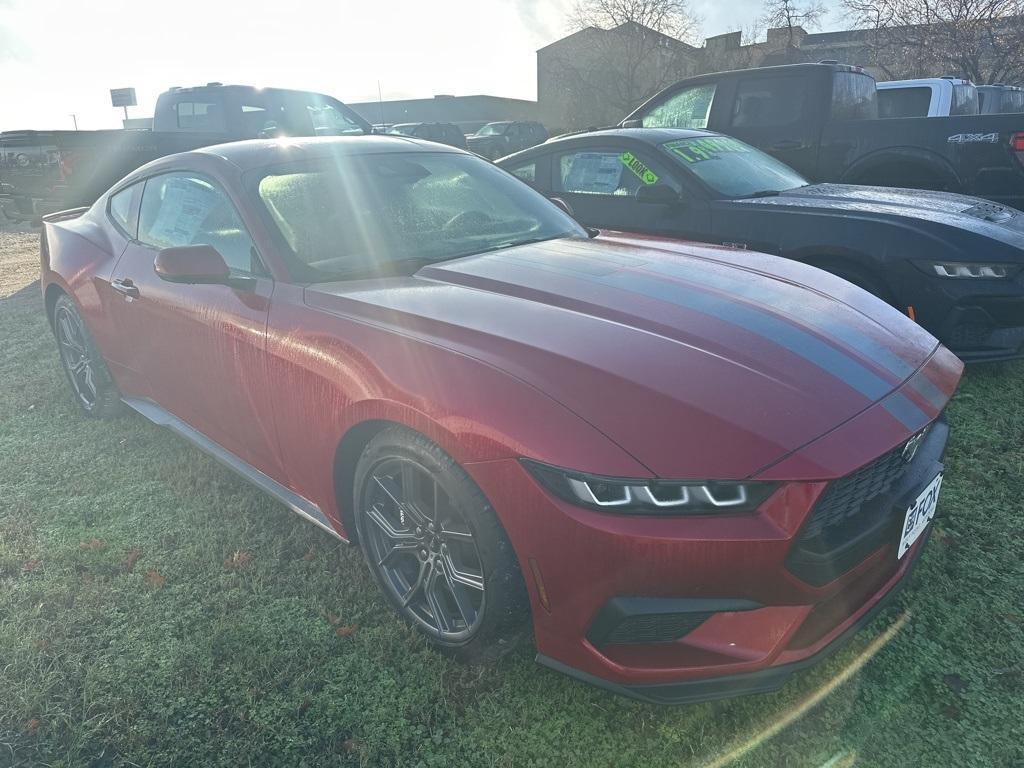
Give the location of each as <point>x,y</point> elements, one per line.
<point>621,52</point>
<point>981,40</point>
<point>669,17</point>
<point>790,15</point>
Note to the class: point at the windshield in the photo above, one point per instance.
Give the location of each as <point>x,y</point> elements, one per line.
<point>732,168</point>
<point>355,216</point>
<point>854,96</point>
<point>493,129</point>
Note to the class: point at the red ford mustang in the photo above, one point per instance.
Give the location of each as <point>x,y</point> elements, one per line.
<point>694,469</point>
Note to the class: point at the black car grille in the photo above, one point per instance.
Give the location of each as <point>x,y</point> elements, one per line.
<point>655,627</point>
<point>857,513</point>
<point>845,498</point>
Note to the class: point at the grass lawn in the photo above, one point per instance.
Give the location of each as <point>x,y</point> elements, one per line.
<point>155,610</point>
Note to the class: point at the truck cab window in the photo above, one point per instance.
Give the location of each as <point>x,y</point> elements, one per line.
<point>854,96</point>
<point>200,116</point>
<point>769,101</point>
<point>904,102</point>
<point>689,108</point>
<point>965,100</point>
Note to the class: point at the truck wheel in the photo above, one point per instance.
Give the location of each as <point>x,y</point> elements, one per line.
<point>436,548</point>
<point>94,389</point>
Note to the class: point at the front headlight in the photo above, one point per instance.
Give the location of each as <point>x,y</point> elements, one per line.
<point>637,496</point>
<point>963,269</point>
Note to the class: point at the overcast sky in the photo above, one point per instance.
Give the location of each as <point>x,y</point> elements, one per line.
<point>58,58</point>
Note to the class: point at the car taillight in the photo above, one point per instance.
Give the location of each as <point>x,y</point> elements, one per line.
<point>1017,142</point>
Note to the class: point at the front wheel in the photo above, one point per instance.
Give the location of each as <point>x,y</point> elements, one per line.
<point>436,547</point>
<point>94,389</point>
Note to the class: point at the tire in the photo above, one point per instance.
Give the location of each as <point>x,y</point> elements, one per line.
<point>452,576</point>
<point>91,384</point>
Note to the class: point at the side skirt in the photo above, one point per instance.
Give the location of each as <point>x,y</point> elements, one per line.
<point>299,505</point>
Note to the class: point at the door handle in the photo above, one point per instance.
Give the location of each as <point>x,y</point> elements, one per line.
<point>125,287</point>
<point>785,144</point>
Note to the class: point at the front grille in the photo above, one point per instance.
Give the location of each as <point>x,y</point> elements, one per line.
<point>969,335</point>
<point>655,627</point>
<point>857,513</point>
<point>845,498</point>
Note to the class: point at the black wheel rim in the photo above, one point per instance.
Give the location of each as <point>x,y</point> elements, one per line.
<point>74,354</point>
<point>422,549</point>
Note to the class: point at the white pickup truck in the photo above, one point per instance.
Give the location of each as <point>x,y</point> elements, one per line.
<point>927,97</point>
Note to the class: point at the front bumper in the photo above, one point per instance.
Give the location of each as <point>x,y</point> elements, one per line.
<point>979,320</point>
<point>764,680</point>
<point>746,614</point>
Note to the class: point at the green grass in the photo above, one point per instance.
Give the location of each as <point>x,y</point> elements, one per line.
<point>155,610</point>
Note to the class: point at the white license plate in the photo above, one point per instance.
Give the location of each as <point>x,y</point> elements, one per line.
<point>919,515</point>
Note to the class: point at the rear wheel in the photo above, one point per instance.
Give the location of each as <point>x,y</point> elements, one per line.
<point>436,548</point>
<point>91,383</point>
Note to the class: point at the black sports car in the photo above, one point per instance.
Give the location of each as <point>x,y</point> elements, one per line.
<point>953,263</point>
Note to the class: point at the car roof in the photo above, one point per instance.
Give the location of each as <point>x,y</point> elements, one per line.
<point>647,135</point>
<point>257,153</point>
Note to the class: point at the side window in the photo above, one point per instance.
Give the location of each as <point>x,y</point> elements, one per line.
<point>200,116</point>
<point>124,211</point>
<point>768,101</point>
<point>904,102</point>
<point>527,173</point>
<point>180,209</point>
<point>608,172</point>
<point>689,108</point>
<point>513,131</point>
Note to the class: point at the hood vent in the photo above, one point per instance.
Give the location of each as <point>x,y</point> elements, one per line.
<point>989,212</point>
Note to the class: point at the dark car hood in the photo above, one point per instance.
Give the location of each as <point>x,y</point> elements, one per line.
<point>942,208</point>
<point>699,361</point>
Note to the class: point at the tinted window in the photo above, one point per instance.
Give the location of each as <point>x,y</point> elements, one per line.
<point>200,115</point>
<point>853,96</point>
<point>731,168</point>
<point>607,172</point>
<point>904,102</point>
<point>768,101</point>
<point>179,209</point>
<point>351,216</point>
<point>1012,101</point>
<point>123,211</point>
<point>965,100</point>
<point>689,108</point>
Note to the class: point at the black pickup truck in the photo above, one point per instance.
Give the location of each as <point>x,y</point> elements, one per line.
<point>45,171</point>
<point>822,119</point>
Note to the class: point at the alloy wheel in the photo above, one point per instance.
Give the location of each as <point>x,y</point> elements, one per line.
<point>75,355</point>
<point>422,549</point>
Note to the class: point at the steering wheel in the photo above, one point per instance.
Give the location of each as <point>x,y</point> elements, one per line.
<point>467,223</point>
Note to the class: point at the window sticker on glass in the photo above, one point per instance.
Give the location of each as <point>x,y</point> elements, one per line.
<point>185,204</point>
<point>695,150</point>
<point>593,172</point>
<point>642,172</point>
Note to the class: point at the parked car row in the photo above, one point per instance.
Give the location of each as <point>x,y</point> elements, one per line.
<point>945,96</point>
<point>623,387</point>
<point>954,263</point>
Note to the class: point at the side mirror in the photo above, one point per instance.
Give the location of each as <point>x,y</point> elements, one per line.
<point>192,264</point>
<point>633,123</point>
<point>658,194</point>
<point>566,208</point>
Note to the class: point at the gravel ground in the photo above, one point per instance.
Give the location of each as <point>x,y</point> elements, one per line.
<point>19,262</point>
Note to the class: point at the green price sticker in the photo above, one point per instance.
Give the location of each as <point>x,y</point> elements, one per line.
<point>641,171</point>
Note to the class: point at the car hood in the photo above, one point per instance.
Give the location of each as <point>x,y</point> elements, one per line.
<point>941,208</point>
<point>701,362</point>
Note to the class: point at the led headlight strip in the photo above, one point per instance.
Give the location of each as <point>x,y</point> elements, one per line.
<point>647,496</point>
